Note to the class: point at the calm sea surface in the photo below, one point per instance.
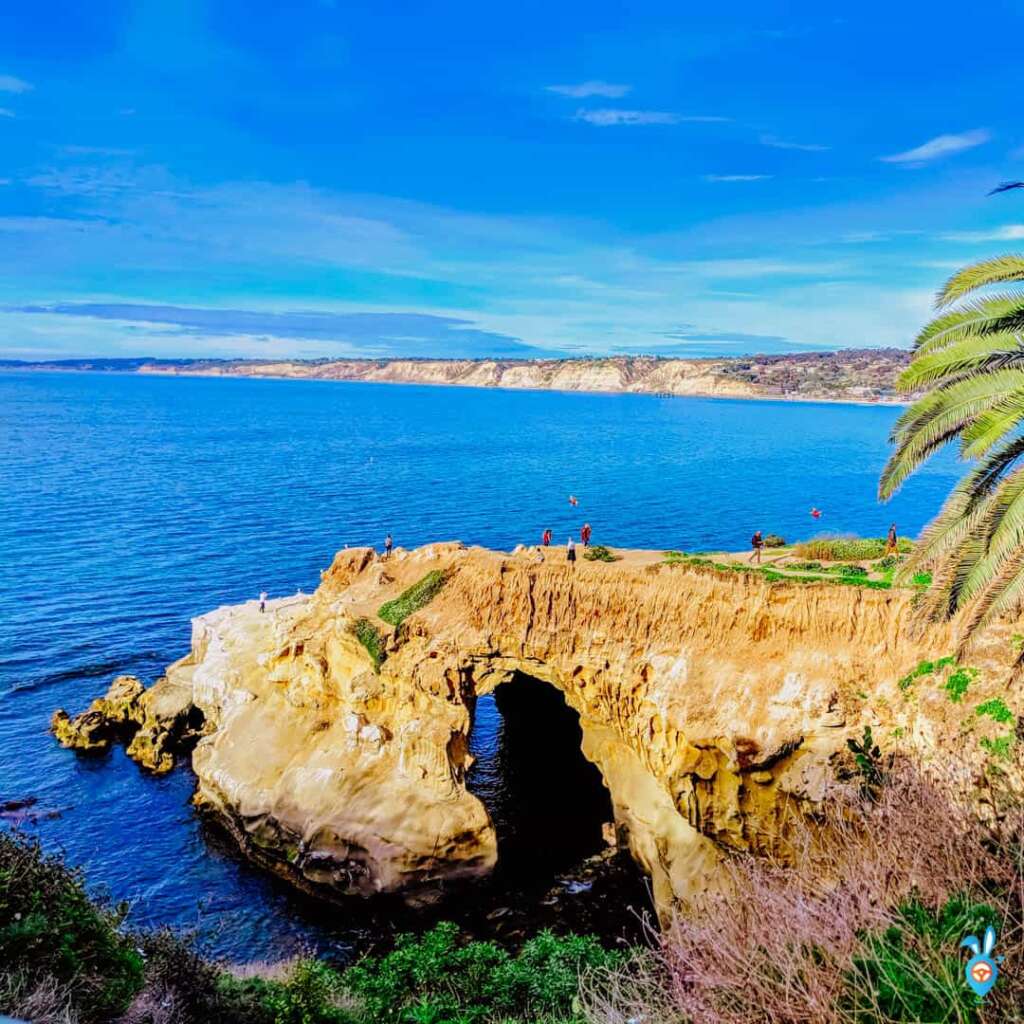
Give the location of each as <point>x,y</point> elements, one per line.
<point>128,504</point>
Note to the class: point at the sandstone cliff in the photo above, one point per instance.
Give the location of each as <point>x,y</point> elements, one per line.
<point>715,705</point>
<point>848,376</point>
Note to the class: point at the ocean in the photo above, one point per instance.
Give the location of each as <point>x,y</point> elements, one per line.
<point>129,504</point>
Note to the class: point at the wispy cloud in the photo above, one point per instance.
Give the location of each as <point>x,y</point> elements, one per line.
<point>736,177</point>
<point>609,117</point>
<point>8,83</point>
<point>4,112</point>
<point>940,146</point>
<point>595,87</point>
<point>807,147</point>
<point>1006,233</point>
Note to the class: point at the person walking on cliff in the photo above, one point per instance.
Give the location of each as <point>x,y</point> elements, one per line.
<point>545,538</point>
<point>892,544</point>
<point>263,601</point>
<point>585,533</point>
<point>387,547</point>
<point>570,551</point>
<point>756,542</point>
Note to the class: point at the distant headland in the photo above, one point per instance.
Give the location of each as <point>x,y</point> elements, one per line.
<point>850,375</point>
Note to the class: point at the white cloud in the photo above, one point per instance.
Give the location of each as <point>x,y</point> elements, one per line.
<point>8,83</point>
<point>1007,233</point>
<point>736,177</point>
<point>776,143</point>
<point>4,112</point>
<point>596,87</point>
<point>607,117</point>
<point>940,146</point>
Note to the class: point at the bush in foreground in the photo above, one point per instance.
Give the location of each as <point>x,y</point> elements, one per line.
<point>67,959</point>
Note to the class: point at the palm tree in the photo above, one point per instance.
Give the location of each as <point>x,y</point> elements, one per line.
<point>969,361</point>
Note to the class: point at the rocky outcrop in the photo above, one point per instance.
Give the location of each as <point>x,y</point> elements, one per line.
<point>154,724</point>
<point>714,705</point>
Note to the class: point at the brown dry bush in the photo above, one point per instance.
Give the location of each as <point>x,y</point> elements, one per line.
<point>779,944</point>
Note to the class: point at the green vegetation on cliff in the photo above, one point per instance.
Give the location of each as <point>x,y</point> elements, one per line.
<point>418,596</point>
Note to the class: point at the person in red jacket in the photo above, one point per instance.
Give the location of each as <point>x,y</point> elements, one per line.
<point>546,538</point>
<point>585,535</point>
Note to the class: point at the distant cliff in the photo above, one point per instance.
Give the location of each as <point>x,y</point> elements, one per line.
<point>854,375</point>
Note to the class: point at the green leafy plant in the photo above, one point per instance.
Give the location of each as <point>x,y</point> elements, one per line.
<point>870,763</point>
<point>599,553</point>
<point>957,683</point>
<point>369,636</point>
<point>995,709</point>
<point>913,971</point>
<point>925,668</point>
<point>49,927</point>
<point>998,747</point>
<point>418,596</point>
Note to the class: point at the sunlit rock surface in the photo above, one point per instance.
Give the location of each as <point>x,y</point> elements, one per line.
<point>713,704</point>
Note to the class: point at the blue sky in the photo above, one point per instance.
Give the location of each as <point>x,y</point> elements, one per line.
<point>229,178</point>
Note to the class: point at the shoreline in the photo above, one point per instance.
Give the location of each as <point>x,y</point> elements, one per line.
<point>809,399</point>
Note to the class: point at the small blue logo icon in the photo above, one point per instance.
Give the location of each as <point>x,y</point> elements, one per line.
<point>981,970</point>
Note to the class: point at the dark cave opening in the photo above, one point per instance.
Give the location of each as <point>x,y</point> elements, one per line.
<point>547,801</point>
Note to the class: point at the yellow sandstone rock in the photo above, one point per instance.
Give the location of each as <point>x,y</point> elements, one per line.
<point>714,705</point>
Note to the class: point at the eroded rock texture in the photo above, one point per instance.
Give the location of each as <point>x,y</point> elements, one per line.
<point>712,705</point>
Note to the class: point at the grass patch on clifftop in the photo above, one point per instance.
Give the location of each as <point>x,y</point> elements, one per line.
<point>369,636</point>
<point>847,549</point>
<point>599,553</point>
<point>418,596</point>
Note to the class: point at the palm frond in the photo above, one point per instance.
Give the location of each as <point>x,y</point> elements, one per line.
<point>979,316</point>
<point>997,270</point>
<point>971,356</point>
<point>938,417</point>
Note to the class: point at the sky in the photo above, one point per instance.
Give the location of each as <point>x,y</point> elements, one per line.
<point>229,178</point>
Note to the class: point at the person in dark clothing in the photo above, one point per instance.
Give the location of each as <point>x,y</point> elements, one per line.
<point>387,546</point>
<point>263,600</point>
<point>892,544</point>
<point>570,551</point>
<point>756,542</point>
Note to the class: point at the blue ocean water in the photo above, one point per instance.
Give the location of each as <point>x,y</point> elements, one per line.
<point>128,504</point>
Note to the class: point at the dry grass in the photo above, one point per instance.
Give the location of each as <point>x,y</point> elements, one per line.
<point>39,1000</point>
<point>779,946</point>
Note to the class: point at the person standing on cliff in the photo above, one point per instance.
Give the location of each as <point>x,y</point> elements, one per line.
<point>892,544</point>
<point>545,538</point>
<point>756,542</point>
<point>387,547</point>
<point>570,551</point>
<point>263,601</point>
<point>585,533</point>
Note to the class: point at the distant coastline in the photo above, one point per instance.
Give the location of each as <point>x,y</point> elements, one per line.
<point>852,376</point>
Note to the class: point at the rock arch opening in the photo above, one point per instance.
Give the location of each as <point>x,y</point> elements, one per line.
<point>547,801</point>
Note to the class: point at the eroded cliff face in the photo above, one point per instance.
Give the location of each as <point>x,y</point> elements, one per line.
<point>713,705</point>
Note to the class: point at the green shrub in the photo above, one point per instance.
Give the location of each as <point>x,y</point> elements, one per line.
<point>957,683</point>
<point>925,668</point>
<point>913,970</point>
<point>773,540</point>
<point>433,978</point>
<point>369,636</point>
<point>995,709</point>
<point>804,566</point>
<point>999,747</point>
<point>847,549</point>
<point>871,765</point>
<point>49,927</point>
<point>418,596</point>
<point>599,553</point>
